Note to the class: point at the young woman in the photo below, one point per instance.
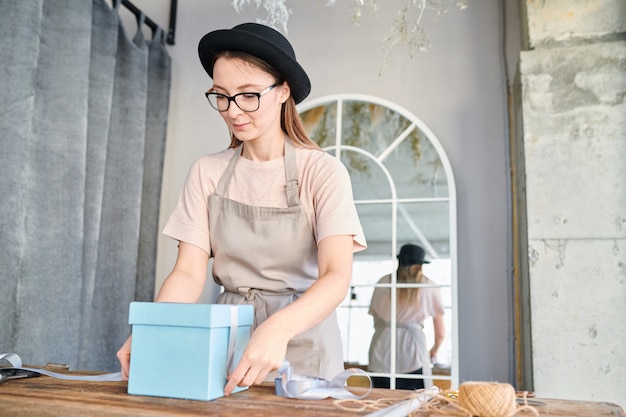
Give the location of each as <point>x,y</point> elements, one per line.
<point>274,211</point>
<point>413,307</point>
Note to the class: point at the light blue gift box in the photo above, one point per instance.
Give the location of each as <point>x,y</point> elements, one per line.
<point>181,350</point>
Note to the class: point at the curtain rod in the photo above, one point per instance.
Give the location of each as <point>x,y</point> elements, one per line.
<point>151,24</point>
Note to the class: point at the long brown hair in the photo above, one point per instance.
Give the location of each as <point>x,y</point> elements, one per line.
<point>409,274</point>
<point>291,122</point>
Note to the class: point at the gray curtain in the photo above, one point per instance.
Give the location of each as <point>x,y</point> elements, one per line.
<point>83,112</point>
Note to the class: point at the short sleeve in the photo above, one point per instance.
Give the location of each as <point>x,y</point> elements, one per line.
<point>433,300</point>
<point>333,202</point>
<point>189,222</point>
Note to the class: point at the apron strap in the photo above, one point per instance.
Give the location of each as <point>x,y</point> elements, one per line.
<point>411,326</point>
<point>291,173</point>
<point>222,185</point>
<point>255,297</point>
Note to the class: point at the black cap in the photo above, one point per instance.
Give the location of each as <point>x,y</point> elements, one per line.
<point>411,255</point>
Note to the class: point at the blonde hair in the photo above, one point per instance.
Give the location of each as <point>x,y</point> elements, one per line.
<point>410,274</point>
<point>291,122</point>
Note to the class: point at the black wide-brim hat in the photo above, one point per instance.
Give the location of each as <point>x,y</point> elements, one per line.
<point>263,42</point>
<point>412,255</point>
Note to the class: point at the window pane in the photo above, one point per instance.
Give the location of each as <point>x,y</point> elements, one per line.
<point>416,168</point>
<point>376,220</point>
<point>426,224</point>
<point>370,126</point>
<point>369,182</point>
<point>321,124</point>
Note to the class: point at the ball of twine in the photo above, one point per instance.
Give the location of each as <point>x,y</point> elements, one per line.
<point>487,399</point>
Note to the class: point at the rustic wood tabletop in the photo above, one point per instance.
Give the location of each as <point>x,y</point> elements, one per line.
<point>47,397</point>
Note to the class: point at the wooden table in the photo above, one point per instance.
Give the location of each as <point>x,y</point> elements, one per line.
<point>46,397</point>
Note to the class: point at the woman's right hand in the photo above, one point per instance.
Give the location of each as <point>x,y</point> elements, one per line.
<point>123,355</point>
<point>264,353</point>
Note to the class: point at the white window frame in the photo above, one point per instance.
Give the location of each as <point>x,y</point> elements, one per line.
<point>338,147</point>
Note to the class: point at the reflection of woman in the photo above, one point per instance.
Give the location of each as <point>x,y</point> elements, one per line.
<point>414,306</point>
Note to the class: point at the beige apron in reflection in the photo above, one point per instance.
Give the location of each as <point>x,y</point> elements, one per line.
<point>267,257</point>
<point>382,337</point>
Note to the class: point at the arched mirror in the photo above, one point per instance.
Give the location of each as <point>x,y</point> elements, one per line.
<point>404,192</point>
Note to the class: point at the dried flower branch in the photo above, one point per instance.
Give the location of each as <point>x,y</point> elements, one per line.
<point>405,31</point>
<point>277,11</point>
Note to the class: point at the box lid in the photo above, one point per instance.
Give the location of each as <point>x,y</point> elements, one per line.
<point>188,315</point>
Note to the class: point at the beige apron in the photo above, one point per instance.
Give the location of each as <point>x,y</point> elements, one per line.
<point>267,257</point>
<point>381,341</point>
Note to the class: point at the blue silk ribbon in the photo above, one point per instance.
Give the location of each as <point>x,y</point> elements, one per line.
<point>313,388</point>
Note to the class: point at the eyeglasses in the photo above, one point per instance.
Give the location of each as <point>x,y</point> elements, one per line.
<point>247,102</point>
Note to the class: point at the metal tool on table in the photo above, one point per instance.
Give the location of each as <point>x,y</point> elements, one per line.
<point>12,373</point>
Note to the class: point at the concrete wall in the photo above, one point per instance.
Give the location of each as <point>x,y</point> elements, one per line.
<point>573,80</point>
<point>457,88</point>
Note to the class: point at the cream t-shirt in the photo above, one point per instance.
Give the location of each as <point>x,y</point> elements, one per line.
<point>429,303</point>
<point>325,195</point>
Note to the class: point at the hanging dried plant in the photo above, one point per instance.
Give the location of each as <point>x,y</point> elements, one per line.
<point>406,29</point>
<point>277,11</point>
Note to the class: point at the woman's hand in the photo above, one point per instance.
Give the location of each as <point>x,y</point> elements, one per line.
<point>267,347</point>
<point>123,355</point>
<point>264,353</point>
<point>184,284</point>
<point>439,327</point>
